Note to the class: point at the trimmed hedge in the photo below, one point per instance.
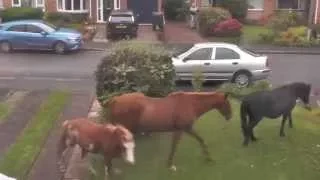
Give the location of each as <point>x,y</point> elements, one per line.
<point>21,13</point>
<point>134,67</point>
<point>65,18</point>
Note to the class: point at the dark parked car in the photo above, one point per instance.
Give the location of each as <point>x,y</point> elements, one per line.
<point>122,23</point>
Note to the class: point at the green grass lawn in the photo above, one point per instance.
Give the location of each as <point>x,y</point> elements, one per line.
<point>4,110</point>
<point>294,157</point>
<point>250,34</point>
<point>19,158</point>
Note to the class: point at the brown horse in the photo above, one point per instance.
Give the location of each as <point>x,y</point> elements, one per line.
<point>110,140</point>
<point>175,113</point>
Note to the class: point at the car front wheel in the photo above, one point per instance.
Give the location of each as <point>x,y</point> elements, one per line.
<point>60,48</point>
<point>5,47</point>
<point>242,79</point>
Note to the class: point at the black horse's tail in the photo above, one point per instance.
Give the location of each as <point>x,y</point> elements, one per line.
<point>244,112</point>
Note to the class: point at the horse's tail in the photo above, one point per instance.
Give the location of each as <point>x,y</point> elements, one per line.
<point>244,112</point>
<point>62,143</point>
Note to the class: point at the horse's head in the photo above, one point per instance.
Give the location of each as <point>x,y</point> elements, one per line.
<point>225,108</point>
<point>303,92</point>
<point>127,143</point>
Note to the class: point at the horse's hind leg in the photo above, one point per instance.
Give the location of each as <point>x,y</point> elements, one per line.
<point>252,124</point>
<point>284,119</point>
<point>175,140</point>
<point>290,120</point>
<point>202,143</point>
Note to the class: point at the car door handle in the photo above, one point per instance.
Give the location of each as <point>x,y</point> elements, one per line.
<point>207,64</point>
<point>235,63</point>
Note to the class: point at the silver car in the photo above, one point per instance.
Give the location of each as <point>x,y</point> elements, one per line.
<point>221,62</point>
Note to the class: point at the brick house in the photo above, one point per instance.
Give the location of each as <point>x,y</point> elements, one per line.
<point>96,9</point>
<point>262,9</point>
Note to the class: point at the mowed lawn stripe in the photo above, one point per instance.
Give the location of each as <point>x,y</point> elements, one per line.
<point>18,118</point>
<point>20,156</point>
<point>45,165</point>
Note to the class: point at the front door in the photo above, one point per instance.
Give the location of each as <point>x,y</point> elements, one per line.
<point>143,9</point>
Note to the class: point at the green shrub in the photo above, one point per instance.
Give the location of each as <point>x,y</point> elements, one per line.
<point>237,92</point>
<point>132,66</point>
<point>237,8</point>
<point>281,21</point>
<point>267,37</point>
<point>175,9</point>
<point>21,13</point>
<point>294,36</point>
<point>62,19</point>
<point>208,17</point>
<point>197,80</point>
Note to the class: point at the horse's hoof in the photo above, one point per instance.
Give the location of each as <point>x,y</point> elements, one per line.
<point>117,171</point>
<point>282,135</point>
<point>173,168</point>
<point>245,144</point>
<point>209,159</point>
<point>254,139</point>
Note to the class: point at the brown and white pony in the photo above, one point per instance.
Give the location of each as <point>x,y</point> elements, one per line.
<point>110,140</point>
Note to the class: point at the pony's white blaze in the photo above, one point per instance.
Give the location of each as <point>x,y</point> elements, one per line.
<point>129,152</point>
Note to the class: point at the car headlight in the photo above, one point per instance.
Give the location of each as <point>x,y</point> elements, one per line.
<point>72,39</point>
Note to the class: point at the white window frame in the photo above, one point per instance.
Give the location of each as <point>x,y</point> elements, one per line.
<point>1,4</point>
<point>116,4</point>
<point>40,5</point>
<point>277,5</point>
<point>16,5</point>
<point>258,9</point>
<point>81,10</point>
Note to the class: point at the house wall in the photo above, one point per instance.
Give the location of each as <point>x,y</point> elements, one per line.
<point>51,5</point>
<point>123,4</point>
<point>268,9</point>
<point>7,3</point>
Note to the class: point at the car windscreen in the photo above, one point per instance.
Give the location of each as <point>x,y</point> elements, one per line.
<point>121,18</point>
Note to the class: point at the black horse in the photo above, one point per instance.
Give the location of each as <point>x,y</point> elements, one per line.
<point>271,104</point>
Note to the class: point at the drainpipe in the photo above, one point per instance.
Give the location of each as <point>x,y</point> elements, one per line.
<point>316,12</point>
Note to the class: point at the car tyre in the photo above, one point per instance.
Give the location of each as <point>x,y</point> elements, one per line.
<point>5,47</point>
<point>242,79</point>
<point>60,47</point>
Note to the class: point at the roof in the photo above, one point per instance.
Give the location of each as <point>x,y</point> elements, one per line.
<point>22,21</point>
<point>214,44</point>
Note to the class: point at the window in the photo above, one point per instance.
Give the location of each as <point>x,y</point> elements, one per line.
<point>39,3</point>
<point>225,53</point>
<point>201,54</point>
<point>256,4</point>
<point>17,28</point>
<point>291,4</point>
<point>33,29</point>
<point>116,4</point>
<point>72,5</point>
<point>16,3</point>
<point>121,18</point>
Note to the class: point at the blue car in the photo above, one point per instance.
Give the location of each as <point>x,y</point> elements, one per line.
<point>38,35</point>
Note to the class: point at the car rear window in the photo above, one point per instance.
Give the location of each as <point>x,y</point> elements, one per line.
<point>250,52</point>
<point>121,18</point>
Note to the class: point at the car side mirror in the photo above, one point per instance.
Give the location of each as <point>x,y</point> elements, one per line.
<point>43,33</point>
